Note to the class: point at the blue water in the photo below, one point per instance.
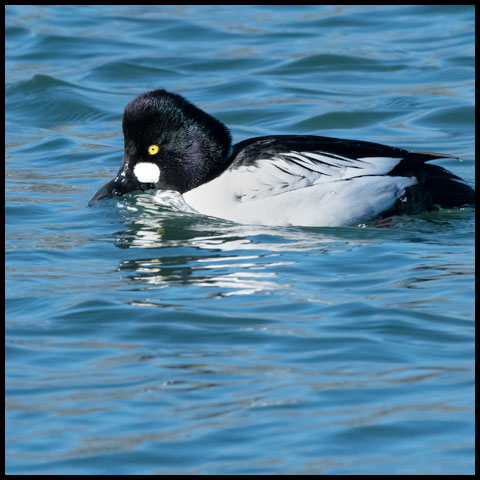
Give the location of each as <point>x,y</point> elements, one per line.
<point>144,340</point>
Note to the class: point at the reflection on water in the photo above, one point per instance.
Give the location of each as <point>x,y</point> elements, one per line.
<point>204,242</point>
<point>189,249</point>
<point>239,278</point>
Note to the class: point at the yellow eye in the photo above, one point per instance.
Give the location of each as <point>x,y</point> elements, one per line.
<point>153,149</point>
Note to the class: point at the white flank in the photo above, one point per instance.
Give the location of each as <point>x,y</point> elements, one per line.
<point>303,192</point>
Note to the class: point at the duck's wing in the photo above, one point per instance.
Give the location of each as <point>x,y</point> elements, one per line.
<point>267,166</point>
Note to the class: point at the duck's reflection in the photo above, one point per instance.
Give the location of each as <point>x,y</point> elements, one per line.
<point>168,244</point>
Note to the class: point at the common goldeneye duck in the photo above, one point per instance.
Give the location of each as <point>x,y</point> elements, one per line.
<point>170,144</point>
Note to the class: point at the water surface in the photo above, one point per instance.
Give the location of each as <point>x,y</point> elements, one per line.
<point>143,340</point>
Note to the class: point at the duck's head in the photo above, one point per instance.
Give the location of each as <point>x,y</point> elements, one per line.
<point>169,144</point>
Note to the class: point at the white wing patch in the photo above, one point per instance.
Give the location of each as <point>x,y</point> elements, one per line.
<point>295,170</point>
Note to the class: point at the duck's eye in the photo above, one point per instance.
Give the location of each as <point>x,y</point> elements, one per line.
<point>153,149</point>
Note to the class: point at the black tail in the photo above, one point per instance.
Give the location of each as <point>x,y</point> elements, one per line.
<point>445,189</point>
<point>436,188</point>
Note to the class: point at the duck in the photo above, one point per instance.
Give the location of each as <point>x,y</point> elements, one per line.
<point>280,180</point>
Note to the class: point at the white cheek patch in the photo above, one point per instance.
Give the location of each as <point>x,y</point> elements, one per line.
<point>146,172</point>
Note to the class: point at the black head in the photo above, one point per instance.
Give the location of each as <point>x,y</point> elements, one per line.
<point>169,144</point>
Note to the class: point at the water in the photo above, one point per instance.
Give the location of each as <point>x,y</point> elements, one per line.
<point>143,340</point>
